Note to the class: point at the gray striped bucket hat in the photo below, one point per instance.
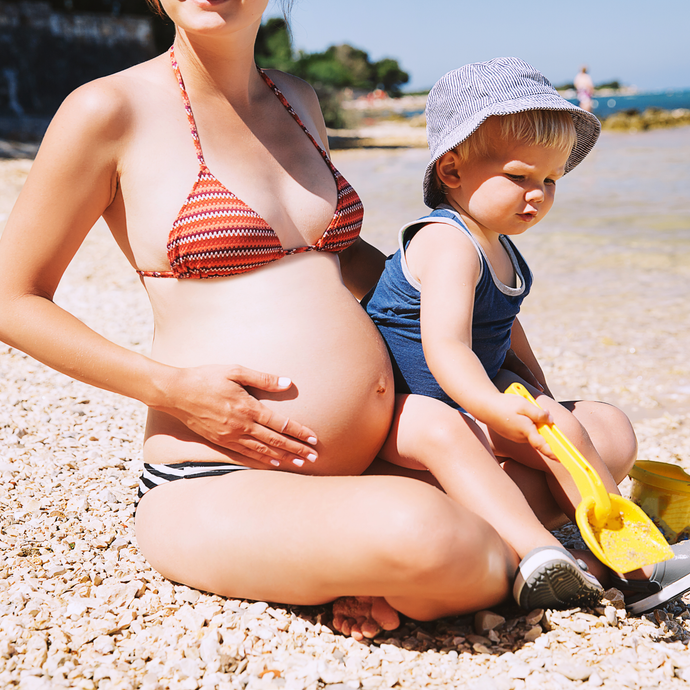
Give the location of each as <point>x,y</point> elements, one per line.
<point>462,99</point>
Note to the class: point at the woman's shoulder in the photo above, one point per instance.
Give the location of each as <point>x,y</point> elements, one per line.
<point>302,97</point>
<point>291,85</point>
<point>109,106</point>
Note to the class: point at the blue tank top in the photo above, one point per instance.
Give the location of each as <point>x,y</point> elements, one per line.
<point>394,305</point>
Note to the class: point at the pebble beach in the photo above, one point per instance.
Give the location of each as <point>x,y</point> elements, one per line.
<point>608,319</point>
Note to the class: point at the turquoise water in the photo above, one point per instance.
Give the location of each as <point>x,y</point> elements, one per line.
<point>607,105</point>
<point>666,100</point>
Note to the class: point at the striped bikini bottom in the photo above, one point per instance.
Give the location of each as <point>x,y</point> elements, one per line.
<point>155,475</point>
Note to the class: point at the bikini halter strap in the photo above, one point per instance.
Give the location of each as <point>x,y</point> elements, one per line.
<point>273,87</point>
<point>188,108</point>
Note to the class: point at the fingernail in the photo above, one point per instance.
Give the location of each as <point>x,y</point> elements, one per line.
<point>312,440</point>
<point>284,382</point>
<point>275,463</point>
<point>298,461</point>
<point>311,457</point>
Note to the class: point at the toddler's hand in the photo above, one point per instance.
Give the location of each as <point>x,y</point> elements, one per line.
<point>518,420</point>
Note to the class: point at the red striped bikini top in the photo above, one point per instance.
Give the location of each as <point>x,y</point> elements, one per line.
<point>216,234</point>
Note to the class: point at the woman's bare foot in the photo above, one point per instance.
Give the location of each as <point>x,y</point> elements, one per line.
<point>362,617</point>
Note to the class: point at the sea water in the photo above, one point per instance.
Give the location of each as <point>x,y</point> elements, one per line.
<point>613,103</point>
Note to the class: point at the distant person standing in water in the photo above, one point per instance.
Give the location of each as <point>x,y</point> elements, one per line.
<point>585,89</point>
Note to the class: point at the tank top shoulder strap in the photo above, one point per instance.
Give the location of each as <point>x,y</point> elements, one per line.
<point>188,108</point>
<point>441,214</point>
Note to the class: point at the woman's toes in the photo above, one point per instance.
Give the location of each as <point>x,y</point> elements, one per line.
<point>361,617</point>
<point>384,614</point>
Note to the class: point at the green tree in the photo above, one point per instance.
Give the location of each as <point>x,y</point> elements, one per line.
<point>615,84</point>
<point>337,68</point>
<point>343,66</point>
<point>356,64</point>
<point>320,69</point>
<point>389,76</point>
<point>274,46</point>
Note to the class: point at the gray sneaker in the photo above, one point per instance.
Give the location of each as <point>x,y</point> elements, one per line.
<point>551,578</point>
<point>669,580</point>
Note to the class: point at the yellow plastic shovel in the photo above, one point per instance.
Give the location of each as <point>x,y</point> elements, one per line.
<point>616,530</point>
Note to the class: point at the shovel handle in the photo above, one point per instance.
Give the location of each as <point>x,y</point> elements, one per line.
<point>586,479</point>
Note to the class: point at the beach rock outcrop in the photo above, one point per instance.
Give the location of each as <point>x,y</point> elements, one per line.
<point>652,118</point>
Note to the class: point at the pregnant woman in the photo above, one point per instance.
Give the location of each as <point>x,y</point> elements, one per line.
<point>269,389</point>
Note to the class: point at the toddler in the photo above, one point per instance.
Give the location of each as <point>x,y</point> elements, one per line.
<point>447,303</point>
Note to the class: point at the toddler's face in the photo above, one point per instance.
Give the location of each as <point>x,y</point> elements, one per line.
<point>511,190</point>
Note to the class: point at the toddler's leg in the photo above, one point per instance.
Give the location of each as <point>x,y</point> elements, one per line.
<point>537,492</point>
<point>427,433</point>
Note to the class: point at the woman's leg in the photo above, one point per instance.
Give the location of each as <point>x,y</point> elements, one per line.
<point>276,536</point>
<point>613,437</point>
<point>561,484</point>
<point>611,433</point>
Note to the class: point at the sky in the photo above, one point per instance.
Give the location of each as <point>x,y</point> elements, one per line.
<point>637,42</point>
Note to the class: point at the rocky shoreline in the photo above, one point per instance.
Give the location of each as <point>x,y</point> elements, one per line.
<point>652,118</point>
<point>396,133</point>
<point>80,608</point>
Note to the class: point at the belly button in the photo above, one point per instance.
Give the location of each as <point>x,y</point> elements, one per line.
<point>381,388</point>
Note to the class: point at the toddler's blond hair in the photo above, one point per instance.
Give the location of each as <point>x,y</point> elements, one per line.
<point>549,128</point>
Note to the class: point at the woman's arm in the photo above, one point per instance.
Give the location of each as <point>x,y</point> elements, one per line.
<point>73,181</point>
<point>523,350</point>
<point>361,265</point>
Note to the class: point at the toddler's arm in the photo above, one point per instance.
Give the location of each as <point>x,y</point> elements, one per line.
<point>447,266</point>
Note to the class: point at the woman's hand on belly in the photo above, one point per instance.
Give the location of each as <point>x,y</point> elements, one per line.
<point>212,401</point>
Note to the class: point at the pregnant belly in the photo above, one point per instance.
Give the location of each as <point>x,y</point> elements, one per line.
<point>348,403</point>
<point>340,369</point>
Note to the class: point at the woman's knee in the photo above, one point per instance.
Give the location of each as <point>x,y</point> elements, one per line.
<point>611,432</point>
<point>428,534</point>
<point>445,560</point>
